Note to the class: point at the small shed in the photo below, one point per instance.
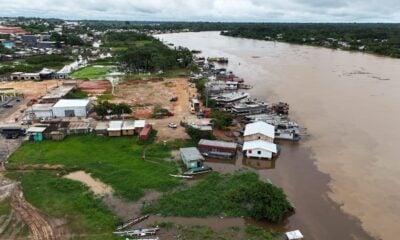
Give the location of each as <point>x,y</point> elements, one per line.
<point>36,133</point>
<point>145,133</point>
<point>294,235</point>
<point>57,135</point>
<point>128,128</point>
<point>139,125</point>
<point>114,128</point>
<point>101,128</point>
<point>215,148</point>
<point>191,157</point>
<point>78,128</point>
<point>260,149</point>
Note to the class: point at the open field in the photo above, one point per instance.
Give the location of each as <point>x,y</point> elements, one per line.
<point>67,205</point>
<point>92,72</point>
<point>144,95</point>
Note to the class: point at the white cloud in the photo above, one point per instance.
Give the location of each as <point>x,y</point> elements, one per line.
<point>209,10</point>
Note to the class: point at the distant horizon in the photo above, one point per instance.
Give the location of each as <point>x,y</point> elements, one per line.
<point>192,21</point>
<point>257,11</point>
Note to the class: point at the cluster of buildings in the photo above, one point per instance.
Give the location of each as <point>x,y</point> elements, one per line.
<point>258,140</point>
<point>124,128</point>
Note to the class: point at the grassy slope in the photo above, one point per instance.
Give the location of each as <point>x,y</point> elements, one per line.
<point>86,216</point>
<point>115,161</point>
<point>207,198</point>
<point>221,195</point>
<point>92,72</point>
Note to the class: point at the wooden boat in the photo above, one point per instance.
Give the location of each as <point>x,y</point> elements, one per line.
<point>142,232</point>
<point>132,221</point>
<point>199,170</point>
<point>181,176</point>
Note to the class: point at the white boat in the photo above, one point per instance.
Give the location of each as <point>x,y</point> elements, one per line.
<point>230,97</point>
<point>249,107</point>
<point>181,176</point>
<point>292,134</point>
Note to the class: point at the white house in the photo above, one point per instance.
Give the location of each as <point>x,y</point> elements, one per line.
<point>259,131</point>
<point>72,108</point>
<point>40,111</point>
<point>260,149</point>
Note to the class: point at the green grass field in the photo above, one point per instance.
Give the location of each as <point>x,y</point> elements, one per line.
<point>92,72</point>
<point>115,161</point>
<point>86,216</point>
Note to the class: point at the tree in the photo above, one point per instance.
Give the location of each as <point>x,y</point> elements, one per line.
<point>221,119</point>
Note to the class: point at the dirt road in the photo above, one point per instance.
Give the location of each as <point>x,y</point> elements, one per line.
<point>40,228</point>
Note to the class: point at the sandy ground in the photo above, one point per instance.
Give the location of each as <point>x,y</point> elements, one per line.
<point>348,101</point>
<point>30,90</point>
<point>96,186</point>
<point>145,95</point>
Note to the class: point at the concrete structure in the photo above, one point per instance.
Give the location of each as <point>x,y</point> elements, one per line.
<point>40,111</point>
<point>260,149</point>
<point>115,128</point>
<point>30,76</point>
<point>128,128</point>
<point>259,131</point>
<point>72,108</point>
<point>191,157</point>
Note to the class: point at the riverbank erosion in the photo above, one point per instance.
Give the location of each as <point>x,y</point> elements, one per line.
<point>348,102</point>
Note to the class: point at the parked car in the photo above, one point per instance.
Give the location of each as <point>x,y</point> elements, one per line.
<point>172,125</point>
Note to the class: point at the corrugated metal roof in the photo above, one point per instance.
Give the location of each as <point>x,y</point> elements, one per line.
<point>260,144</point>
<point>260,127</point>
<point>215,143</point>
<point>115,126</point>
<point>71,103</point>
<point>128,125</point>
<point>191,154</point>
<point>140,123</point>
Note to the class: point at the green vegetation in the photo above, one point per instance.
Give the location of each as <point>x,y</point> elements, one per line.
<point>36,63</point>
<point>87,217</point>
<point>105,108</point>
<point>92,72</point>
<point>221,119</point>
<point>255,233</point>
<point>196,134</point>
<point>125,39</point>
<point>4,50</point>
<point>379,38</point>
<point>76,94</point>
<point>235,195</point>
<point>117,162</point>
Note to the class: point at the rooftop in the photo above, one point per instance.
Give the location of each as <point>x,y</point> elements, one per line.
<point>260,144</point>
<point>260,127</point>
<point>71,103</point>
<point>191,154</point>
<point>140,123</point>
<point>215,143</point>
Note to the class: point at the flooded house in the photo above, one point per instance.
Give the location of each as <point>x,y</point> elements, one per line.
<point>259,131</point>
<point>217,149</point>
<point>260,149</point>
<point>191,157</point>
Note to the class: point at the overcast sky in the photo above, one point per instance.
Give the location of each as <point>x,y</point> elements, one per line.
<point>209,10</point>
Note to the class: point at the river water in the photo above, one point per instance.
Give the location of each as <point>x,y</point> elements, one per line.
<point>344,177</point>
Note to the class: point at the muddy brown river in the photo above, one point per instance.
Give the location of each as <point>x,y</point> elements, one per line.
<point>344,177</point>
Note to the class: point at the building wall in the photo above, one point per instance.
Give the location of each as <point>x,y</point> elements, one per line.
<point>42,114</point>
<point>114,133</point>
<point>258,136</point>
<point>79,111</point>
<point>128,132</point>
<point>259,153</point>
<point>190,164</point>
<point>206,148</point>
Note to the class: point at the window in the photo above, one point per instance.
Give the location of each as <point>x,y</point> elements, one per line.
<point>259,137</point>
<point>258,152</point>
<point>249,151</point>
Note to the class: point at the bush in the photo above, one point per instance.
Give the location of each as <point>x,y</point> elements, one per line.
<point>197,134</point>
<point>221,119</point>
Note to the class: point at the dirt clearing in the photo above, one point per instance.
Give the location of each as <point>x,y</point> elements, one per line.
<point>96,186</point>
